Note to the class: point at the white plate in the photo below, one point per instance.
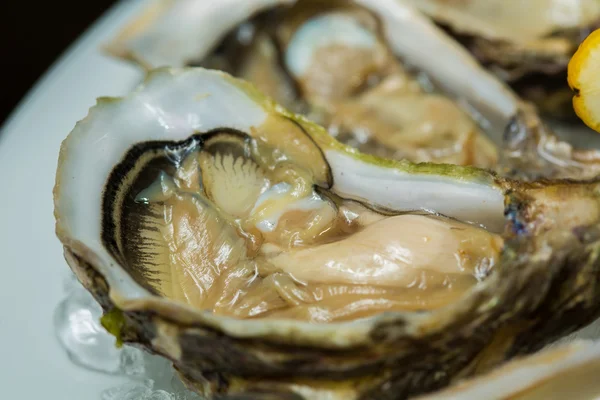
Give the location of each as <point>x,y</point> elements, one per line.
<point>32,365</point>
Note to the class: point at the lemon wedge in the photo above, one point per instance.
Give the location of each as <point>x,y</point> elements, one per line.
<point>584,79</point>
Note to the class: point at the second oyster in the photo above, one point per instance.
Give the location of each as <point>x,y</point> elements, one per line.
<point>380,75</point>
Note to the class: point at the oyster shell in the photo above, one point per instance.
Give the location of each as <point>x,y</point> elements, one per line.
<point>527,44</point>
<point>383,106</point>
<point>199,132</point>
<point>555,373</point>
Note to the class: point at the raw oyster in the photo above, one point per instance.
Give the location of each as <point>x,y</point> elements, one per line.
<point>526,43</point>
<point>433,106</point>
<point>223,232</point>
<point>351,82</point>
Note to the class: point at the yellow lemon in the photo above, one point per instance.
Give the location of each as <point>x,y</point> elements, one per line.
<point>584,79</point>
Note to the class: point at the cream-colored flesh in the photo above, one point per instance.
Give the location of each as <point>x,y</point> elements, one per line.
<point>326,31</point>
<point>200,245</point>
<point>430,265</point>
<point>233,184</point>
<point>285,251</point>
<point>394,118</point>
<point>405,250</point>
<point>261,69</point>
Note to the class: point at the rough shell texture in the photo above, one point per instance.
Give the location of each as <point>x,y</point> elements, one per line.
<point>546,284</point>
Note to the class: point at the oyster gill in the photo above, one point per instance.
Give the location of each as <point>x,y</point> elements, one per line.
<point>528,44</point>
<point>183,32</point>
<point>541,286</point>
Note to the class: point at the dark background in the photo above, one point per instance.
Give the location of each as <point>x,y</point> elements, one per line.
<point>33,34</point>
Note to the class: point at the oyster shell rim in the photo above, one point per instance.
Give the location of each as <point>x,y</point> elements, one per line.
<point>332,335</point>
<point>327,334</point>
<point>542,366</point>
<point>435,10</point>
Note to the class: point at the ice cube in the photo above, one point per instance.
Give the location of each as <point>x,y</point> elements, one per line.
<point>132,361</point>
<point>77,327</point>
<point>138,390</point>
<point>89,345</point>
<point>160,395</point>
<point>188,396</point>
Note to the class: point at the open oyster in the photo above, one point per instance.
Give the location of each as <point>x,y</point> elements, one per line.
<point>267,260</point>
<point>385,80</point>
<point>526,43</point>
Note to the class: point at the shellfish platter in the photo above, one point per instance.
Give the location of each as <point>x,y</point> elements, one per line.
<point>307,200</point>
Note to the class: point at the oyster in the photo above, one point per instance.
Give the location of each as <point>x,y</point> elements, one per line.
<point>352,82</point>
<point>526,43</point>
<point>369,82</point>
<point>267,260</point>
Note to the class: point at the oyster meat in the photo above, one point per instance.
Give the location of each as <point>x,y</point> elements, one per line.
<point>268,260</point>
<point>526,43</point>
<point>369,83</point>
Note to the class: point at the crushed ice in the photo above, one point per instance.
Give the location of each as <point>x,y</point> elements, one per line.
<point>129,391</point>
<point>79,332</point>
